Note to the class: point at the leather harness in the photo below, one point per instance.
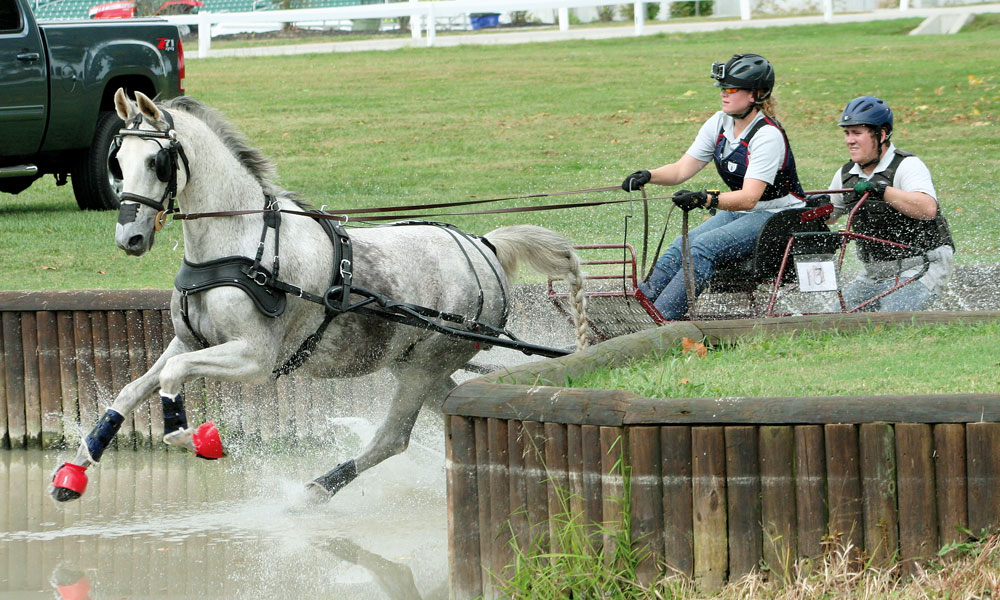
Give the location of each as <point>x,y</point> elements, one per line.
<point>264,287</point>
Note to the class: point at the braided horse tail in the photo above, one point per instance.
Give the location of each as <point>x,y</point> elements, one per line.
<point>551,255</point>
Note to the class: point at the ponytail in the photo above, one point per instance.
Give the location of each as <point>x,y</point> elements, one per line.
<point>770,107</point>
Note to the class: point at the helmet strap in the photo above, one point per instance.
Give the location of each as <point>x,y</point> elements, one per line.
<point>756,104</point>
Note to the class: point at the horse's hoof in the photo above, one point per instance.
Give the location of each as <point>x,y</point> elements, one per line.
<point>69,482</point>
<point>317,494</point>
<point>182,438</point>
<point>207,443</point>
<point>61,494</point>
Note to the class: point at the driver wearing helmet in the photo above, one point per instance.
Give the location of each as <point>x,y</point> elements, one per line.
<point>901,207</point>
<point>752,156</point>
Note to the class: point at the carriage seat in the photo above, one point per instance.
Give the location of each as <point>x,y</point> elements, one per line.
<point>764,262</point>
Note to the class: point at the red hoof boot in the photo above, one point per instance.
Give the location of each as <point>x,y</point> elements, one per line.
<point>77,591</point>
<point>69,483</point>
<point>207,443</point>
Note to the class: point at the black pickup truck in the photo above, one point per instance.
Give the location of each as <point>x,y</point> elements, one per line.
<point>57,85</point>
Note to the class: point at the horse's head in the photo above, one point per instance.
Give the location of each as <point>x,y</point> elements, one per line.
<point>153,168</point>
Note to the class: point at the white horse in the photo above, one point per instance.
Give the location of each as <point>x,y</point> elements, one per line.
<point>335,304</point>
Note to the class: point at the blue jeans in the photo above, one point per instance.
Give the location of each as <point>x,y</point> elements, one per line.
<point>913,296</point>
<point>726,237</point>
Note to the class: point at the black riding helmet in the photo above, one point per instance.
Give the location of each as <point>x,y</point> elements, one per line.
<point>747,72</point>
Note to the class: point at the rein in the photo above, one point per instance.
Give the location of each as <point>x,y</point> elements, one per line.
<point>370,214</point>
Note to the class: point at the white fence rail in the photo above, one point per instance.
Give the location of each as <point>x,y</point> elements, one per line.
<point>423,15</point>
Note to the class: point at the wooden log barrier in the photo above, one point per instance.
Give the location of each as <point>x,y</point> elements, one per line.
<point>65,355</point>
<point>719,486</point>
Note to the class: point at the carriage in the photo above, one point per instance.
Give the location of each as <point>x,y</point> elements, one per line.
<point>796,255</point>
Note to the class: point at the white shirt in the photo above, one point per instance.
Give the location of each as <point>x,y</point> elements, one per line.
<point>766,152</point>
<point>912,175</point>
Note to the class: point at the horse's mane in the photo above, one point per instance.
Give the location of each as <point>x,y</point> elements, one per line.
<point>256,162</point>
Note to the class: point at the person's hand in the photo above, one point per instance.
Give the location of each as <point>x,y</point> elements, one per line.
<point>688,200</point>
<point>874,189</point>
<point>635,181</point>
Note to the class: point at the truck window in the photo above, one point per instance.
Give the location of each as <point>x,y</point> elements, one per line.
<point>10,19</point>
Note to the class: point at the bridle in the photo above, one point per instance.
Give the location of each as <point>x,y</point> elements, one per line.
<point>165,167</point>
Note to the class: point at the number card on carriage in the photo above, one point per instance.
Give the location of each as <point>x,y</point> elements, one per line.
<point>816,272</point>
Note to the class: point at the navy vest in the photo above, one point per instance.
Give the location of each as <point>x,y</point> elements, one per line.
<point>733,168</point>
<point>877,219</point>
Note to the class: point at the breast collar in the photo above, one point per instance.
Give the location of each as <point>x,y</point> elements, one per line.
<point>263,286</point>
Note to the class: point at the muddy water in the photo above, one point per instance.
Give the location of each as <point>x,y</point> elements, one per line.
<point>163,524</point>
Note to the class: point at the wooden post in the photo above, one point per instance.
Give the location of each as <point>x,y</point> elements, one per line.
<point>558,481</point>
<point>612,488</point>
<point>67,371</point>
<point>708,475</point>
<point>153,341</point>
<point>518,490</point>
<point>482,449</point>
<point>678,516</point>
<point>844,486</point>
<point>646,504</point>
<point>137,366</point>
<point>535,484</point>
<point>574,468</point>
<point>878,482</point>
<point>951,482</point>
<point>14,371</point>
<point>48,377</point>
<point>810,489</point>
<point>592,494</point>
<point>32,394</point>
<point>777,474</point>
<point>918,526</point>
<point>983,455</point>
<point>4,436</point>
<point>120,376</point>
<point>463,533</point>
<point>83,338</point>
<point>102,360</point>
<point>743,498</point>
<point>501,555</point>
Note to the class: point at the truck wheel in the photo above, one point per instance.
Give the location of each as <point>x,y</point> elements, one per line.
<point>94,186</point>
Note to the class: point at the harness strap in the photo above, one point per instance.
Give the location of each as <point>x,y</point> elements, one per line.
<point>343,258</point>
<point>187,321</point>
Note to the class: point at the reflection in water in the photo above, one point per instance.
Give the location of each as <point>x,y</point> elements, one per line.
<point>162,524</point>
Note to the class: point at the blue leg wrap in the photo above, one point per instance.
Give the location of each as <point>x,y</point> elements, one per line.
<point>174,417</point>
<point>101,435</point>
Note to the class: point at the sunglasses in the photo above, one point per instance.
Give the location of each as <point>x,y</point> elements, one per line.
<point>730,90</point>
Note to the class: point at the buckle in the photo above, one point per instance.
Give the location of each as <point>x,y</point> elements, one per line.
<point>258,277</point>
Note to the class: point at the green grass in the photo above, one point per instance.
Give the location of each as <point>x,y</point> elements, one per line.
<point>444,124</point>
<point>900,359</point>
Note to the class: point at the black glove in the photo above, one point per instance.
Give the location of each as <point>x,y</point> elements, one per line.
<point>688,200</point>
<point>874,189</point>
<point>635,181</point>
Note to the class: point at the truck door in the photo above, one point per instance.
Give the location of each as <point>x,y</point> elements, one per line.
<point>24,101</point>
